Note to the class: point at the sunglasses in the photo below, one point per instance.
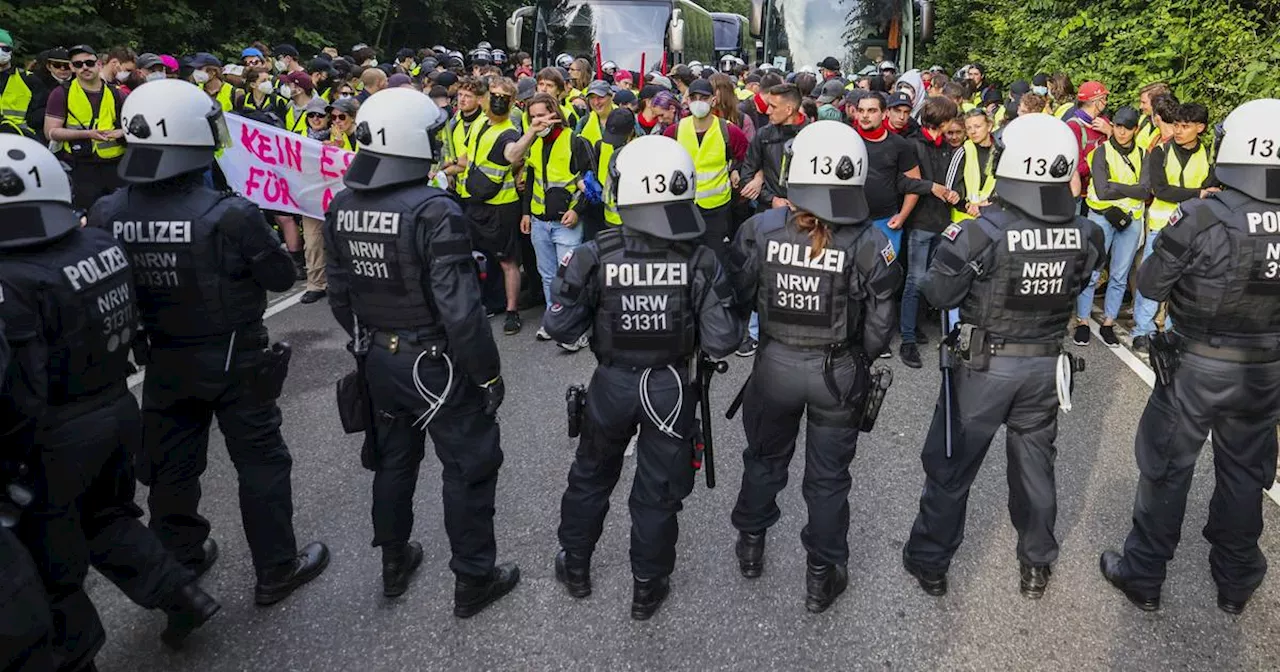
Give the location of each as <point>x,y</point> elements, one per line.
<point>315,115</point>
<point>252,61</point>
<point>346,92</point>
<point>87,63</point>
<point>339,117</point>
<point>6,48</point>
<point>60,65</point>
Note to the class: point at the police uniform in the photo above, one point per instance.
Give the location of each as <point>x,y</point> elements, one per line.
<point>67,300</point>
<point>204,261</point>
<point>400,276</point>
<point>652,298</point>
<point>1217,264</point>
<point>1014,274</point>
<point>824,314</point>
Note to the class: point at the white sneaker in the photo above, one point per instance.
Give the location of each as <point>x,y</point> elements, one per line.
<point>582,342</point>
<point>542,334</point>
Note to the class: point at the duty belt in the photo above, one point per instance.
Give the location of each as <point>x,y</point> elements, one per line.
<point>1001,349</point>
<point>396,341</point>
<point>57,414</point>
<point>1230,354</point>
<point>680,363</point>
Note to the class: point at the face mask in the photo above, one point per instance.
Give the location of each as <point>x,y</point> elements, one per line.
<point>5,57</point>
<point>500,106</point>
<point>265,88</point>
<point>200,77</point>
<point>280,65</point>
<point>123,76</point>
<point>1040,90</point>
<point>155,76</point>
<point>700,108</point>
<point>286,90</point>
<point>544,132</point>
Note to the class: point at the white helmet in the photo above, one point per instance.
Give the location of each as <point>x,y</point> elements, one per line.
<point>395,129</point>
<point>35,194</point>
<point>888,65</point>
<point>171,128</point>
<point>1249,156</point>
<point>564,60</point>
<point>1035,167</point>
<point>826,172</point>
<point>654,188</point>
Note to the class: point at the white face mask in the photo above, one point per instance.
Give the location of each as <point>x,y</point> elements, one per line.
<point>700,108</point>
<point>5,57</point>
<point>153,76</point>
<point>200,77</point>
<point>544,132</point>
<point>265,88</point>
<point>280,65</point>
<point>286,90</point>
<point>123,76</point>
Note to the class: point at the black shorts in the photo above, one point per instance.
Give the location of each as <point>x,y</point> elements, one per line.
<point>495,228</point>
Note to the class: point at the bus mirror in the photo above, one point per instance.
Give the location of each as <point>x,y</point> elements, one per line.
<point>926,21</point>
<point>676,32</point>
<point>757,18</point>
<point>515,26</point>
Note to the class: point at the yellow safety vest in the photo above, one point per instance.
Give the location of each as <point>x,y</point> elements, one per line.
<point>978,183</point>
<point>556,174</point>
<point>15,99</point>
<point>80,116</point>
<point>1121,169</point>
<point>1147,131</point>
<point>605,151</point>
<point>478,149</point>
<point>270,102</point>
<point>570,114</point>
<point>1190,176</point>
<point>457,140</point>
<point>743,93</point>
<point>709,163</point>
<point>592,130</point>
<point>295,121</point>
<point>224,97</point>
<point>1062,109</point>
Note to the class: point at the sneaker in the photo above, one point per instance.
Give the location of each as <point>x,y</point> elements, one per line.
<point>1108,334</point>
<point>910,354</point>
<point>1141,343</point>
<point>1082,335</point>
<point>542,334</point>
<point>748,348</point>
<point>512,324</point>
<point>582,342</point>
<point>887,354</point>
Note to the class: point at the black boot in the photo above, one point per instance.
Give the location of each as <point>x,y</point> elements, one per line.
<point>471,596</point>
<point>647,595</point>
<point>574,571</point>
<point>1035,579</point>
<point>823,584</point>
<point>188,608</point>
<point>399,562</point>
<point>932,583</point>
<point>299,265</point>
<point>750,550</point>
<point>1231,605</point>
<point>279,582</point>
<point>209,556</point>
<point>1112,565</point>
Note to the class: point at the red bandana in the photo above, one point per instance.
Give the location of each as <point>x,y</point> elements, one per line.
<point>937,141</point>
<point>872,136</point>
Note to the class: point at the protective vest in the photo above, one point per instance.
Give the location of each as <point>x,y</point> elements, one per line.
<point>1027,293</point>
<point>295,120</point>
<point>1123,169</point>
<point>556,173</point>
<point>376,238</point>
<point>457,139</point>
<point>270,103</point>
<point>225,97</point>
<point>645,317</point>
<point>709,162</point>
<point>478,151</point>
<point>82,116</point>
<point>1063,109</point>
<point>979,180</point>
<point>192,282</point>
<point>1245,301</point>
<point>1190,176</point>
<point>744,94</point>
<point>570,114</point>
<point>803,299</point>
<point>14,101</point>
<point>605,152</point>
<point>1147,131</point>
<point>592,130</point>
<point>85,282</point>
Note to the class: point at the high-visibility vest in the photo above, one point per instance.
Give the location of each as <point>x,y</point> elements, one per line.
<point>80,116</point>
<point>1190,176</point>
<point>1121,169</point>
<point>570,114</point>
<point>1062,109</point>
<point>295,121</point>
<point>270,103</point>
<point>592,130</point>
<point>15,99</point>
<point>478,150</point>
<point>978,182</point>
<point>605,151</point>
<point>709,163</point>
<point>224,97</point>
<point>555,174</point>
<point>456,140</point>
<point>742,93</point>
<point>1147,131</point>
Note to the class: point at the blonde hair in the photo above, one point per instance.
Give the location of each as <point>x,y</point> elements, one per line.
<point>818,231</point>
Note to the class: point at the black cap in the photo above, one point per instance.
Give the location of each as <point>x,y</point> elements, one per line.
<point>81,49</point>
<point>650,90</point>
<point>702,87</point>
<point>990,96</point>
<point>898,100</point>
<point>447,79</point>
<point>404,53</point>
<point>830,63</point>
<point>438,91</point>
<point>1019,87</point>
<point>753,78</point>
<point>620,124</point>
<point>1040,80</point>
<point>285,50</point>
<point>624,97</point>
<point>1125,116</point>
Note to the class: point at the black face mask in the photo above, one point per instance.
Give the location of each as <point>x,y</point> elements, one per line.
<point>500,105</point>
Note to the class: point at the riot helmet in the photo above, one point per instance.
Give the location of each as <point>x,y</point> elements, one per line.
<point>35,194</point>
<point>827,171</point>
<point>1035,167</point>
<point>395,129</point>
<point>1249,155</point>
<point>654,187</point>
<point>171,128</point>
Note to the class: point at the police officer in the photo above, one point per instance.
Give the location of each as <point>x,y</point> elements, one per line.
<point>1014,273</point>
<point>66,298</point>
<point>400,276</point>
<point>823,283</point>
<point>653,298</point>
<point>1217,263</point>
<point>204,261</point>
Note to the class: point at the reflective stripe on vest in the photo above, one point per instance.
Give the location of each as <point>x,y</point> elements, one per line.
<point>976,188</point>
<point>591,130</point>
<point>709,163</point>
<point>295,121</point>
<point>478,150</point>
<point>80,117</point>
<point>605,152</point>
<point>224,97</point>
<point>15,99</point>
<point>1119,171</point>
<point>1190,176</point>
<point>555,175</point>
<point>457,140</point>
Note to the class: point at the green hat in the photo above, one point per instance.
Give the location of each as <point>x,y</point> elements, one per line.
<point>5,37</point>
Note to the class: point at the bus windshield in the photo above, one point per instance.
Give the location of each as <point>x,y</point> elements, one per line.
<point>806,31</point>
<point>628,32</point>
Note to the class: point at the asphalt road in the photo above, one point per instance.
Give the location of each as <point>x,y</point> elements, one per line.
<point>714,619</point>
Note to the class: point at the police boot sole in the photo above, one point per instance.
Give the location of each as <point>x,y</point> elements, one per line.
<point>497,590</point>
<point>181,627</point>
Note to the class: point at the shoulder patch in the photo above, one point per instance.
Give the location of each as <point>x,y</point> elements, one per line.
<point>1176,216</point>
<point>951,232</point>
<point>556,308</point>
<point>888,254</point>
<point>568,256</point>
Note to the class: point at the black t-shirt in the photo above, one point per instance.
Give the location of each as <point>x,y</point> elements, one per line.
<point>887,160</point>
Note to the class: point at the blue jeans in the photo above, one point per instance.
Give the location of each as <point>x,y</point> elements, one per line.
<point>753,327</point>
<point>1144,309</point>
<point>551,241</point>
<point>920,245</point>
<point>895,237</point>
<point>1123,245</point>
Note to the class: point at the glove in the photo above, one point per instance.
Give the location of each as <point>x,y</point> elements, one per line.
<point>592,189</point>
<point>494,392</point>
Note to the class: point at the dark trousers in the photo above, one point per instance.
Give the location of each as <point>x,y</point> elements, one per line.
<point>91,180</point>
<point>84,514</point>
<point>184,389</point>
<point>466,442</point>
<point>717,220</point>
<point>1018,392</point>
<point>785,383</point>
<point>1240,403</point>
<point>26,627</point>
<point>664,466</point>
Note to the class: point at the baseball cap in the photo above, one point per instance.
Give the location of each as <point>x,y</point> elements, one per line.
<point>649,91</point>
<point>81,49</point>
<point>831,91</point>
<point>397,80</point>
<point>438,91</point>
<point>624,97</point>
<point>251,51</point>
<point>5,37</point>
<point>169,62</point>
<point>300,80</point>
<point>404,53</point>
<point>203,59</point>
<point>753,78</point>
<point>1125,116</point>
<point>898,100</point>
<point>660,80</point>
<point>1019,87</point>
<point>147,61</point>
<point>446,79</point>
<point>525,88</point>
<point>347,105</point>
<point>701,87</point>
<point>285,50</point>
<point>317,104</point>
<point>990,96</point>
<point>1091,90</point>
<point>830,63</point>
<point>599,87</point>
<point>620,124</point>
<point>623,75</point>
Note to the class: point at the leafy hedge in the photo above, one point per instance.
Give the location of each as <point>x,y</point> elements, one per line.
<point>1217,52</point>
